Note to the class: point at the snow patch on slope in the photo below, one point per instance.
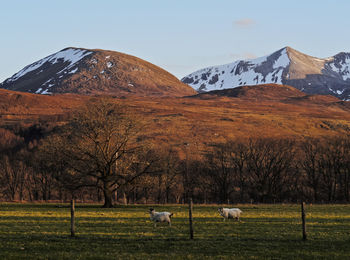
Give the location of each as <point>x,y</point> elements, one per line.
<point>46,92</point>
<point>68,55</point>
<point>109,64</point>
<point>283,60</point>
<point>73,71</point>
<point>343,68</point>
<point>240,73</point>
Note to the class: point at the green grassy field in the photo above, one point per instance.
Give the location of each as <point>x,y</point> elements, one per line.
<point>41,231</point>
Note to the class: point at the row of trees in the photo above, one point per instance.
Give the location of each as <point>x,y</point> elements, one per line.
<point>269,170</point>
<point>98,156</point>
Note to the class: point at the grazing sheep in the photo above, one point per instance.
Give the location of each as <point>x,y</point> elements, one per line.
<point>230,213</point>
<point>160,216</point>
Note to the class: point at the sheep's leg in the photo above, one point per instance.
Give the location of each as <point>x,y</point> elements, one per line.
<point>155,224</point>
<point>169,224</point>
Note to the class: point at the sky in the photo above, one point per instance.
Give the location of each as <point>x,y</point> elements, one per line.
<point>180,36</point>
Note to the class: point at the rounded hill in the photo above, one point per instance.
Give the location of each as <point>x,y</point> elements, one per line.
<point>258,92</point>
<point>96,72</point>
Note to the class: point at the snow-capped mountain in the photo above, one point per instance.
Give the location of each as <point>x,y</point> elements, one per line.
<point>285,66</point>
<point>84,71</point>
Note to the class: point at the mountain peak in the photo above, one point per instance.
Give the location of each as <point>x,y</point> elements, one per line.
<point>75,48</point>
<point>293,52</point>
<point>93,71</point>
<point>288,49</point>
<point>287,66</point>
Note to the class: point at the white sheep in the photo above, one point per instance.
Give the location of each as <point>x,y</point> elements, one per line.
<point>160,216</point>
<point>230,213</point>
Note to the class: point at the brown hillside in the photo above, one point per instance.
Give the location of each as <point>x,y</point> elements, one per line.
<point>128,75</point>
<point>273,93</point>
<point>195,121</point>
<point>96,72</point>
<point>320,99</point>
<point>25,109</point>
<point>257,92</point>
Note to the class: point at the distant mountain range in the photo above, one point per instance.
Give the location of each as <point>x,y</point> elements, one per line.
<point>85,71</point>
<point>102,72</point>
<point>286,66</point>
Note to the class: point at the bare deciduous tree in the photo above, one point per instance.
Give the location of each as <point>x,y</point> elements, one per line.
<point>99,148</point>
<point>12,176</point>
<point>269,163</point>
<point>310,163</point>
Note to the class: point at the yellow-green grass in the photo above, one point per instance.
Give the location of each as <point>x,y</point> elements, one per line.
<point>42,231</point>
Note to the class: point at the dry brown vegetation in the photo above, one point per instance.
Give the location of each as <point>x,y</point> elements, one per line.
<point>258,111</point>
<point>102,73</point>
<point>126,75</point>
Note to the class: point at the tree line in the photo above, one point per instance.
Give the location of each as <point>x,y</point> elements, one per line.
<point>99,156</point>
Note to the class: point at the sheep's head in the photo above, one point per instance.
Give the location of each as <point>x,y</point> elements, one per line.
<point>220,210</point>
<point>151,210</point>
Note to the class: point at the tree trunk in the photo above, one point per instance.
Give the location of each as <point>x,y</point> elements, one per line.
<point>30,195</point>
<point>159,188</point>
<point>60,194</point>
<point>36,195</point>
<point>177,198</point>
<point>241,191</point>
<point>21,194</point>
<point>135,195</point>
<point>108,195</point>
<point>145,191</point>
<point>190,217</point>
<point>315,194</point>
<point>115,195</point>
<point>125,200</point>
<point>99,197</point>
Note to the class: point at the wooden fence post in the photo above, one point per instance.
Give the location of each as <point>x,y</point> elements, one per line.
<point>303,220</point>
<point>72,218</point>
<point>190,209</point>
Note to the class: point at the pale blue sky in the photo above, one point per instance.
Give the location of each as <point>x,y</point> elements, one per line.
<point>180,36</point>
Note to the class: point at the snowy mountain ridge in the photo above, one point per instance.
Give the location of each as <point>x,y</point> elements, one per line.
<point>67,55</point>
<point>66,59</point>
<point>285,66</point>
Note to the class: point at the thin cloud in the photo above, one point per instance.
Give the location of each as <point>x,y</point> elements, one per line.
<point>244,23</point>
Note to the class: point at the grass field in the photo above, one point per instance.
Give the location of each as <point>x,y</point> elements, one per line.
<point>41,231</point>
